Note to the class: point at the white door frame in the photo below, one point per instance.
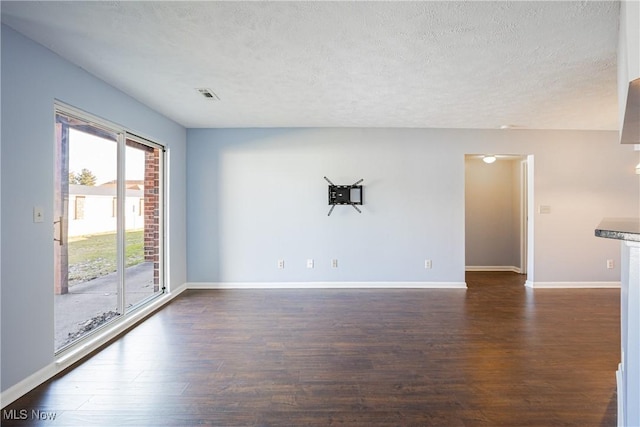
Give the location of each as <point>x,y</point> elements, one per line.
<point>524,214</point>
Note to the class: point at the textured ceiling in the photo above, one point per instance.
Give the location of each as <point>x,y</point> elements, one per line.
<point>539,65</point>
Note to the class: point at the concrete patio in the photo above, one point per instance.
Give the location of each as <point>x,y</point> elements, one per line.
<point>87,302</point>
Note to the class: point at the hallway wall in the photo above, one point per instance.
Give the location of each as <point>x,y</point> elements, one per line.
<point>492,213</point>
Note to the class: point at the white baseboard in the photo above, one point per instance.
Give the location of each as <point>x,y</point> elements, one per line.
<point>510,268</point>
<point>326,285</point>
<point>84,348</point>
<point>572,285</point>
<point>18,390</point>
<point>620,395</point>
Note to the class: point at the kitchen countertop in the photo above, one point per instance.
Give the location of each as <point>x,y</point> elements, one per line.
<point>620,229</point>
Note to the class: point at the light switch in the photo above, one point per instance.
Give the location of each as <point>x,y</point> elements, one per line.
<point>544,209</point>
<point>38,214</point>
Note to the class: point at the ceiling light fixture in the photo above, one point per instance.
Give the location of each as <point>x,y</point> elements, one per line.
<point>489,159</point>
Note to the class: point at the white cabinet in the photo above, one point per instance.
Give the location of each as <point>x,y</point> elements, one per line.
<point>628,375</point>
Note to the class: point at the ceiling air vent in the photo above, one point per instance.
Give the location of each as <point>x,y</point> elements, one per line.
<point>208,94</point>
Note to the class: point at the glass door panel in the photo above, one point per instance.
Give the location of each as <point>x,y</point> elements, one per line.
<point>87,288</point>
<point>143,236</point>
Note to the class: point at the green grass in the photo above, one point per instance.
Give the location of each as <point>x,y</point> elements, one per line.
<point>96,255</point>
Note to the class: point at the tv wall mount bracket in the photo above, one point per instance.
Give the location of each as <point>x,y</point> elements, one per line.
<point>345,195</point>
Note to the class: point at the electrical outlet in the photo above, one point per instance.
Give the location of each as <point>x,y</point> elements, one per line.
<point>310,263</point>
<point>280,264</point>
<point>610,264</point>
<point>427,263</point>
<point>334,263</point>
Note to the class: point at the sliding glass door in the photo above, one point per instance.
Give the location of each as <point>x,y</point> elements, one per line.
<point>143,216</point>
<point>108,228</point>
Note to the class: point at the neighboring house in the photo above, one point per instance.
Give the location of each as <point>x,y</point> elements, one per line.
<point>92,209</point>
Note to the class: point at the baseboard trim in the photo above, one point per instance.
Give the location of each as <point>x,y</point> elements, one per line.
<point>84,348</point>
<point>326,285</point>
<point>620,395</point>
<point>18,390</point>
<point>510,268</point>
<point>572,285</point>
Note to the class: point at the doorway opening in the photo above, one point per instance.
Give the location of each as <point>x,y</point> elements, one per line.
<point>108,240</point>
<point>497,212</point>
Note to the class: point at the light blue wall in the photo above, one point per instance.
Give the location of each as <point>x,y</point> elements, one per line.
<point>32,77</point>
<point>257,195</point>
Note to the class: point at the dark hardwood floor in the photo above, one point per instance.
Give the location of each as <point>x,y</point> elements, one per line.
<point>496,354</point>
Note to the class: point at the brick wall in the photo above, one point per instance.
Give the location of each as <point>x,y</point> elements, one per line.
<point>152,212</point>
<point>151,208</point>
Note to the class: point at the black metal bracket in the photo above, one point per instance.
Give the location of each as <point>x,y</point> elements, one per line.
<point>345,195</point>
